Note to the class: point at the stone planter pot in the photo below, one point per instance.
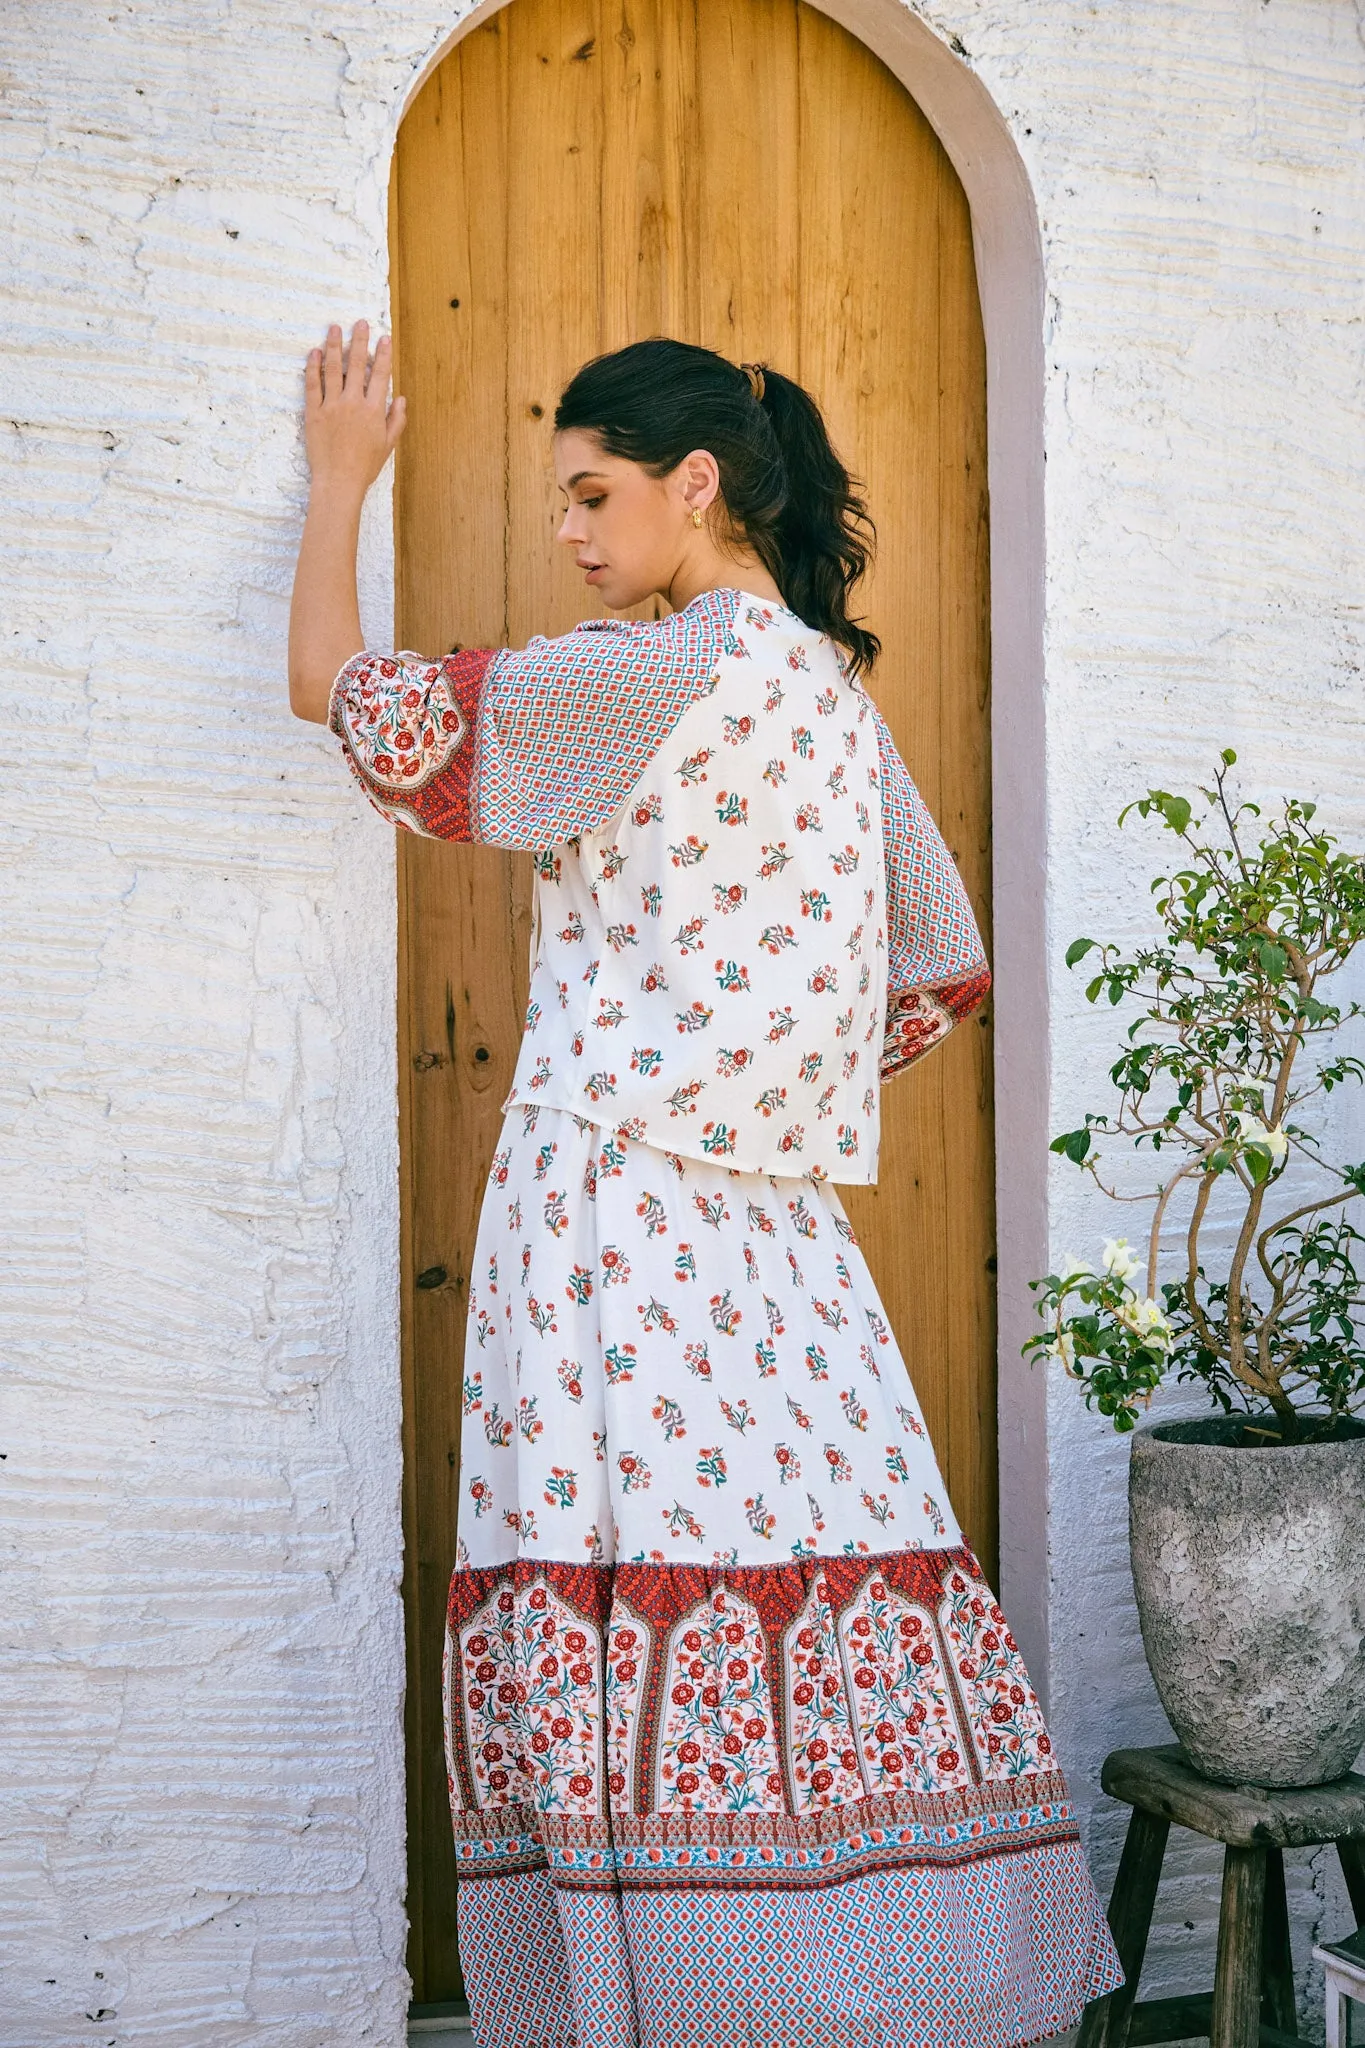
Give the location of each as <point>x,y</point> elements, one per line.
<point>1249,1566</point>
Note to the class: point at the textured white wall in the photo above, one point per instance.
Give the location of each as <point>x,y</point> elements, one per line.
<point>201,1831</point>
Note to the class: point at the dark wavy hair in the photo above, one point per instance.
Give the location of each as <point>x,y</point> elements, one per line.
<point>785,490</point>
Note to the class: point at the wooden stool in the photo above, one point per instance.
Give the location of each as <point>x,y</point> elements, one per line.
<point>1252,2001</point>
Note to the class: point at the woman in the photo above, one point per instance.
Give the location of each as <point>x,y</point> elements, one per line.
<point>740,1747</point>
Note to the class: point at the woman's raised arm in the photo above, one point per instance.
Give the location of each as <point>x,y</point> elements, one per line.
<point>349,432</point>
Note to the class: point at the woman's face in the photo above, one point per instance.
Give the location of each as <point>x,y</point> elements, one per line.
<point>630,532</point>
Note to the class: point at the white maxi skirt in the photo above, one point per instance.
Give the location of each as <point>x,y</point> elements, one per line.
<point>741,1748</point>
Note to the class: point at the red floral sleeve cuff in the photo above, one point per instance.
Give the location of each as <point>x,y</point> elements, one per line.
<point>408,728</point>
<point>917,1018</point>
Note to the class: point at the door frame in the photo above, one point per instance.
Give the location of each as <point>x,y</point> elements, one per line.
<point>1010,283</point>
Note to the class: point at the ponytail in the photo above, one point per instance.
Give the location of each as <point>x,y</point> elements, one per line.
<point>786,492</point>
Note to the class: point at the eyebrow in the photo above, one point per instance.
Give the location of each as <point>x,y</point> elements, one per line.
<point>581,476</point>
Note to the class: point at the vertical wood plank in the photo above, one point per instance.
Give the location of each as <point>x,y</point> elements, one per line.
<point>892,345</point>
<point>747,153</point>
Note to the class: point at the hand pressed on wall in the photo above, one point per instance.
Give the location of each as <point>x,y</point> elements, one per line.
<point>349,431</point>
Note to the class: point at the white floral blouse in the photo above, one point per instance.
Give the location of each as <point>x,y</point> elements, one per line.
<point>745,918</point>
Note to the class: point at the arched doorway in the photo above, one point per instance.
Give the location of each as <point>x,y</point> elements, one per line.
<point>746,174</point>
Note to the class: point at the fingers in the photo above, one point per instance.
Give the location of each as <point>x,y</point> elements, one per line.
<point>357,361</point>
<point>331,364</point>
<point>398,419</point>
<point>381,368</point>
<point>333,373</point>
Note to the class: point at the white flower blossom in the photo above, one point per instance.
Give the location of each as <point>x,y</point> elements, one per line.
<point>1251,1131</point>
<point>1118,1260</point>
<point>1146,1320</point>
<point>1073,1268</point>
<point>1063,1346</point>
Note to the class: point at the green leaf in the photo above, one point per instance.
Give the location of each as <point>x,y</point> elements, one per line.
<point>1073,1145</point>
<point>1258,1162</point>
<point>1176,811</point>
<point>1078,949</point>
<point>1229,757</point>
<point>1274,961</point>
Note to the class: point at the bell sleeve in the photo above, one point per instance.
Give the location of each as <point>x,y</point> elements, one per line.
<point>521,748</point>
<point>936,965</point>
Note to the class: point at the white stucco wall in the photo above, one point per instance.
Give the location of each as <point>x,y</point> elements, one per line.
<point>201,1826</point>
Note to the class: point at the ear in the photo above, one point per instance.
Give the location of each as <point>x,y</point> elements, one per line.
<point>698,476</point>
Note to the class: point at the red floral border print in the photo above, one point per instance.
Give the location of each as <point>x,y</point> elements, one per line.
<point>916,1019</point>
<point>408,729</point>
<point>921,1688</point>
<point>758,1851</point>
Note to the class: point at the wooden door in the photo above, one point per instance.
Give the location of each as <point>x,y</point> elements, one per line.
<point>742,173</point>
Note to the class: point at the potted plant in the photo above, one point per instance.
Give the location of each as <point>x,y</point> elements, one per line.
<point>1247,1524</point>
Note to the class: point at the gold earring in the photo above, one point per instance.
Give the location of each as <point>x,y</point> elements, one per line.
<point>696,516</point>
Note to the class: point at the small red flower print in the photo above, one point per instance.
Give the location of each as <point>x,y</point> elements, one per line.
<point>923,1653</point>
<point>821,1780</point>
<point>1000,1712</point>
<point>755,1728</point>
<point>580,1784</point>
<point>733,1632</point>
<point>537,1598</point>
<point>561,1727</point>
<point>884,1732</point>
<point>732,1744</point>
<point>817,1750</point>
<point>948,1760</point>
<point>687,1781</point>
<point>682,1695</point>
<point>864,1677</point>
<point>803,1694</point>
<point>716,1772</point>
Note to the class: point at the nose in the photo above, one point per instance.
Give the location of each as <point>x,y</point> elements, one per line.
<point>572,531</point>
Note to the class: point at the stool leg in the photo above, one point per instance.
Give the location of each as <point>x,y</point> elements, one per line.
<point>1338,2020</point>
<point>1351,1850</point>
<point>1236,2020</point>
<point>1130,1916</point>
<point>1277,1962</point>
